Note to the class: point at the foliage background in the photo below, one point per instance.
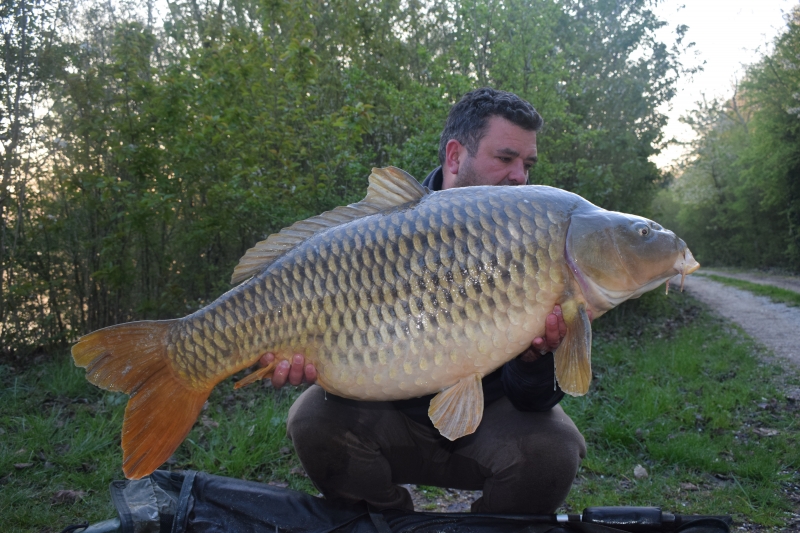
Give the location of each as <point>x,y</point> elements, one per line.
<point>738,197</point>
<point>143,156</point>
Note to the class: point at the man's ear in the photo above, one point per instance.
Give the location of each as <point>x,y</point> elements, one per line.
<point>454,156</point>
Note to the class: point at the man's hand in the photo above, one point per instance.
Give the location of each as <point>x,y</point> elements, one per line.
<point>554,332</point>
<point>295,373</point>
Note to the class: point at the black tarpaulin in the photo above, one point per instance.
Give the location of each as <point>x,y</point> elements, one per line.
<point>195,502</point>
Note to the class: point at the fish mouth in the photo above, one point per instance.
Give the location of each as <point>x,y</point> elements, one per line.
<point>689,263</point>
<point>601,299</point>
<point>685,265</point>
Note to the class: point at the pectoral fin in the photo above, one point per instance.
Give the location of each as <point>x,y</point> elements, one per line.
<point>458,410</point>
<point>574,356</point>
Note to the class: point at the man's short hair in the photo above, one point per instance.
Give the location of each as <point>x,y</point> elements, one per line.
<point>468,119</point>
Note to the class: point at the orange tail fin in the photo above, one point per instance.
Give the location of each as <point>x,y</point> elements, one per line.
<point>132,358</point>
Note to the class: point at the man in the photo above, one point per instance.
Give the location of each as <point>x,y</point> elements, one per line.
<point>526,452</point>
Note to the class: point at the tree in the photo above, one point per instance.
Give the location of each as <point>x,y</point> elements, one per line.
<point>738,199</point>
<point>30,54</point>
<point>179,147</point>
<point>773,165</point>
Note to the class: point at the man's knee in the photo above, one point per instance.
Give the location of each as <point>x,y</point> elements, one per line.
<point>306,416</point>
<point>533,470</point>
<point>337,443</point>
<point>319,420</point>
<point>560,442</point>
<point>319,432</point>
<point>554,455</point>
<point>540,438</point>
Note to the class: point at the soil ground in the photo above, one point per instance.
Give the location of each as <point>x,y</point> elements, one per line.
<point>775,325</point>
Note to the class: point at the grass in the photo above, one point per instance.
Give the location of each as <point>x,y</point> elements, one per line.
<point>431,494</point>
<point>676,391</point>
<point>684,397</point>
<point>776,294</point>
<point>59,433</point>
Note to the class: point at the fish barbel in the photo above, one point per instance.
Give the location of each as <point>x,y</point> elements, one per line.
<point>403,294</point>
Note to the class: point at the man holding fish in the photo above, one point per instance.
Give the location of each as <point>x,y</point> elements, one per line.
<point>526,452</point>
<point>404,294</point>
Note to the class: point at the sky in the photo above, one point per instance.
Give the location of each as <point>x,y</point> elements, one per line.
<point>728,34</point>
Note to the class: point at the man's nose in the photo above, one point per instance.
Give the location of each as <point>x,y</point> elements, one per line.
<point>518,174</point>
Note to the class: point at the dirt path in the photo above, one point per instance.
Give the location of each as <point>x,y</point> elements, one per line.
<point>790,283</point>
<point>774,325</point>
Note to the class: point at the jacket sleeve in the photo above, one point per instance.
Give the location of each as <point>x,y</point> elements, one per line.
<point>531,386</point>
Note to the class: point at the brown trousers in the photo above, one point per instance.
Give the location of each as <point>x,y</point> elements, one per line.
<point>524,462</point>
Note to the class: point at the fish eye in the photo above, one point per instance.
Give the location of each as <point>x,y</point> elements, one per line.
<point>644,231</point>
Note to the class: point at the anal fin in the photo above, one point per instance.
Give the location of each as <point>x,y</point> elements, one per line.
<point>458,410</point>
<point>574,355</point>
<point>259,374</point>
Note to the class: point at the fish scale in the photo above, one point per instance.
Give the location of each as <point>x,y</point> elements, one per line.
<point>329,298</point>
<point>404,294</point>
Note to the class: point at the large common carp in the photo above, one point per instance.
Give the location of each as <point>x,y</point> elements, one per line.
<point>403,294</point>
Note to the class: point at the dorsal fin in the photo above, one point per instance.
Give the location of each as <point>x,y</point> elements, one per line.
<point>391,186</point>
<point>388,187</point>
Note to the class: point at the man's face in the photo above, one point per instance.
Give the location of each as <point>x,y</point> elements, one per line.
<point>504,156</point>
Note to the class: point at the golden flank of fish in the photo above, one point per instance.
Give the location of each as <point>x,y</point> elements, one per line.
<point>403,294</point>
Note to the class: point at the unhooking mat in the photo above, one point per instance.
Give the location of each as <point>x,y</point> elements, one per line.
<point>195,502</point>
